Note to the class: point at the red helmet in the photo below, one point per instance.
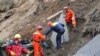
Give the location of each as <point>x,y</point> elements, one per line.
<point>49,23</point>
<point>39,27</point>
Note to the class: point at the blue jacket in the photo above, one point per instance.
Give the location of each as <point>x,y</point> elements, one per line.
<point>57,27</point>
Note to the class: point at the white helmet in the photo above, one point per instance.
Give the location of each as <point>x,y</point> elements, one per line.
<point>66,7</point>
<point>17,36</point>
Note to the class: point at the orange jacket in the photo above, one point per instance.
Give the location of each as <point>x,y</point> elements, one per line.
<point>70,17</point>
<point>38,36</point>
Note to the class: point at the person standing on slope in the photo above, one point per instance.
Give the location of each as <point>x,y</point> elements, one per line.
<point>37,37</point>
<point>69,17</point>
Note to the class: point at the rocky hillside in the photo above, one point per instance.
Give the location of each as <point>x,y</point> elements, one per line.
<point>20,16</point>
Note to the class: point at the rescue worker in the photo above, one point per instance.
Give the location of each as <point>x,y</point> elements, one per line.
<point>70,16</point>
<point>16,49</point>
<point>59,29</point>
<point>37,38</point>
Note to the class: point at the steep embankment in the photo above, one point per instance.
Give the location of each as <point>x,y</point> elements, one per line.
<point>13,20</point>
<point>19,16</point>
<point>83,10</point>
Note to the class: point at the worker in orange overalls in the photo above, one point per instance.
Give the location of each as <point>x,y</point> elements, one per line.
<point>70,16</point>
<point>37,38</point>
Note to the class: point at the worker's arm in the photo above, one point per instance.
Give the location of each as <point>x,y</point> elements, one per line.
<point>74,21</point>
<point>29,53</point>
<point>54,15</point>
<point>43,37</point>
<point>9,51</point>
<point>25,50</point>
<point>49,30</point>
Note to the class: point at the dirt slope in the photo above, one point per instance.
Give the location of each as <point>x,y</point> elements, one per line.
<point>83,10</point>
<point>15,19</point>
<point>21,15</point>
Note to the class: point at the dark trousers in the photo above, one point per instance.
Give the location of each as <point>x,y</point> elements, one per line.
<point>58,40</point>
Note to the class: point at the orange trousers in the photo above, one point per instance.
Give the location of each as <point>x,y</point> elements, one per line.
<point>37,49</point>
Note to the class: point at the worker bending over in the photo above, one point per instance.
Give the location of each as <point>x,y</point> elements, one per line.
<point>59,29</point>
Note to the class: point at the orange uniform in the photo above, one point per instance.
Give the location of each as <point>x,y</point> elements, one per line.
<point>70,17</point>
<point>37,37</point>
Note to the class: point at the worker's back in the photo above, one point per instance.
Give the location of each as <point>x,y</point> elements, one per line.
<point>58,27</point>
<point>69,16</point>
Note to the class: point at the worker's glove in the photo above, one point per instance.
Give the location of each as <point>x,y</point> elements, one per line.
<point>12,53</point>
<point>29,53</point>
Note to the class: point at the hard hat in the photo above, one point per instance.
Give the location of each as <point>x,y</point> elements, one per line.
<point>66,7</point>
<point>17,36</point>
<point>39,27</point>
<point>49,23</point>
